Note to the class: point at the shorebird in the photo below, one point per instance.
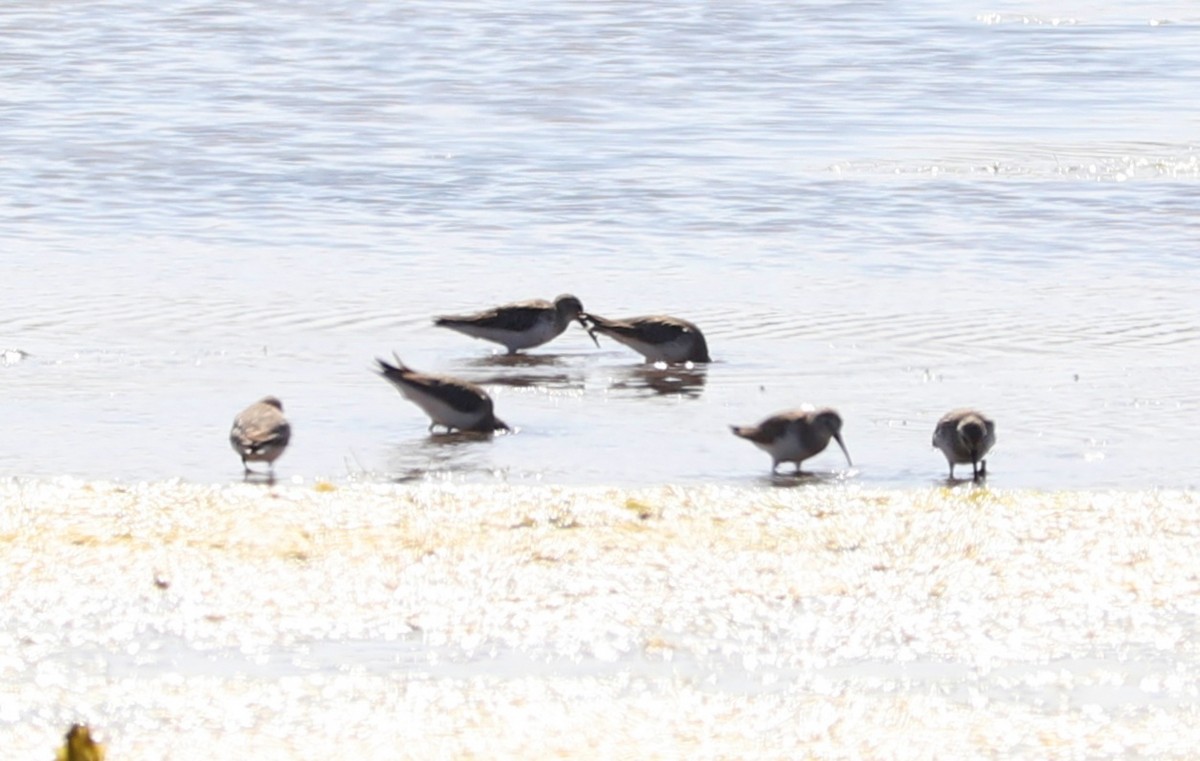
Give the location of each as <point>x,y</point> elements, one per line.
<point>522,325</point>
<point>658,338</point>
<point>965,436</point>
<point>260,433</point>
<point>449,402</point>
<point>795,435</point>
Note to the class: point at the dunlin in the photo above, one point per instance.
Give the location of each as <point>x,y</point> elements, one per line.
<point>657,338</point>
<point>965,436</point>
<point>795,435</point>
<point>522,325</point>
<point>260,433</point>
<point>449,402</point>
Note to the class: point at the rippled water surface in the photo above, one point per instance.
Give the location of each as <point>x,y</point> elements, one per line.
<point>889,209</point>
<point>893,209</point>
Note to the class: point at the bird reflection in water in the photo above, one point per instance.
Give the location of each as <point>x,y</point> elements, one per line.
<point>458,455</point>
<point>525,371</point>
<point>791,479</point>
<point>685,379</point>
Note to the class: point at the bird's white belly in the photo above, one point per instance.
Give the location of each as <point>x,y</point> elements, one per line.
<point>669,352</point>
<point>783,449</point>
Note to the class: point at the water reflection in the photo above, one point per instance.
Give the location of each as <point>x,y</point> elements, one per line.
<point>527,371</point>
<point>793,479</point>
<point>562,381</point>
<point>518,360</point>
<point>257,477</point>
<point>964,483</point>
<point>666,380</point>
<point>440,454</point>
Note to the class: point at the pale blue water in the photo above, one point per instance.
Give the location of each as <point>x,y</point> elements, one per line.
<point>893,209</point>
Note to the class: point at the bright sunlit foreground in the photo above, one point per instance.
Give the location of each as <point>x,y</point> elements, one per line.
<point>436,621</point>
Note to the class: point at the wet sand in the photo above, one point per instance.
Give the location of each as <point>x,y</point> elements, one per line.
<point>311,620</point>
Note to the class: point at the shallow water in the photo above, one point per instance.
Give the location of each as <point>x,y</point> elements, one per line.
<point>892,211</point>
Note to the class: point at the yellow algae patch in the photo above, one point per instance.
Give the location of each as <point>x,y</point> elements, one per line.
<point>79,746</point>
<point>641,509</point>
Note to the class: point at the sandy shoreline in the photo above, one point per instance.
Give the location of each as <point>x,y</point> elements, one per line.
<point>322,621</point>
